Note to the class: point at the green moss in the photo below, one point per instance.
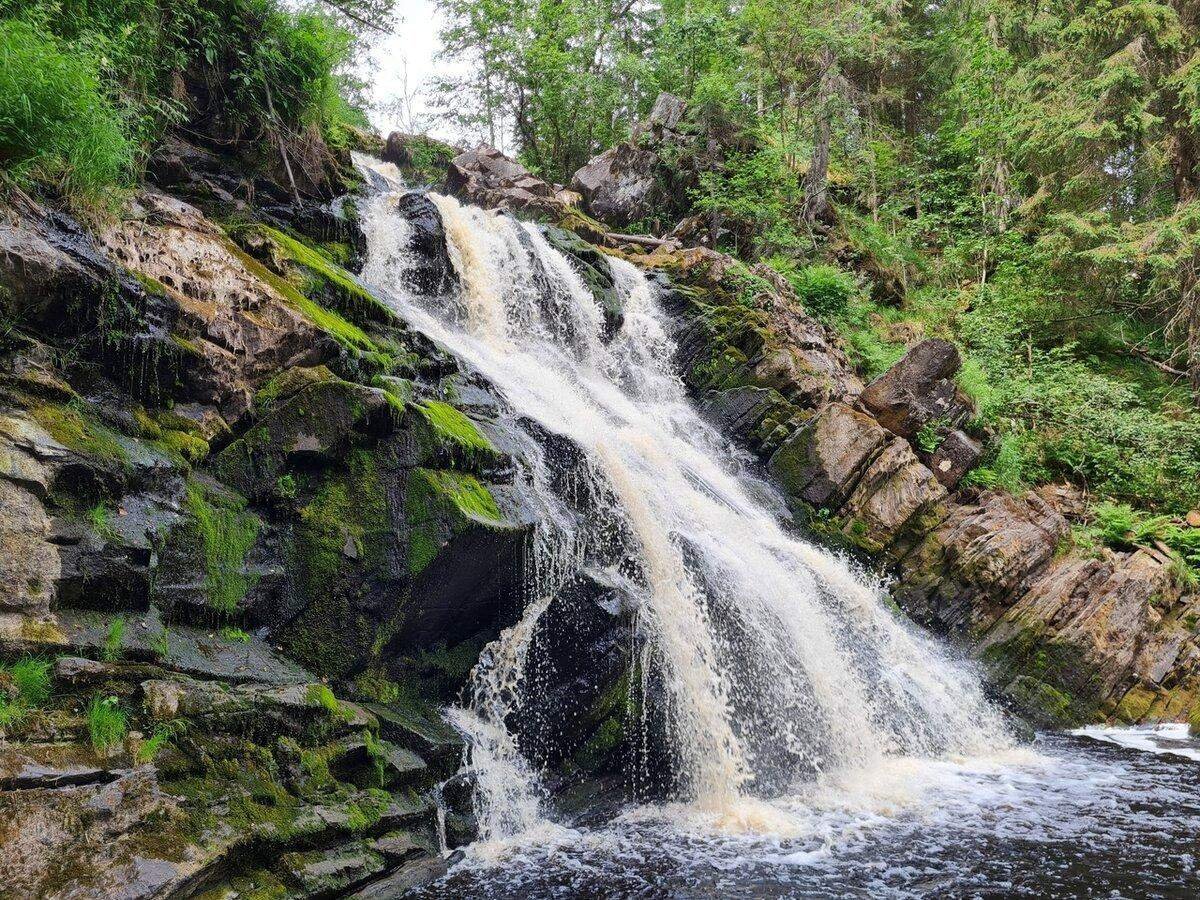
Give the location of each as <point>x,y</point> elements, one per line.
<point>1056,665</point>
<point>320,695</point>
<point>435,497</point>
<point>330,279</point>
<point>288,382</point>
<point>80,432</point>
<point>453,427</point>
<point>226,533</point>
<point>332,323</point>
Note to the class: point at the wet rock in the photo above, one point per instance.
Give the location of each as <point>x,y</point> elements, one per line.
<point>821,462</point>
<point>409,876</point>
<point>919,390</point>
<point>324,872</point>
<point>1085,621</point>
<point>234,327</point>
<point>593,267</point>
<point>431,272</point>
<point>314,422</point>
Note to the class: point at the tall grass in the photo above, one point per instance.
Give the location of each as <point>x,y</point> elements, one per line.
<point>56,124</point>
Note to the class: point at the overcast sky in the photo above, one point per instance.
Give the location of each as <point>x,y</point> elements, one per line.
<point>407,55</point>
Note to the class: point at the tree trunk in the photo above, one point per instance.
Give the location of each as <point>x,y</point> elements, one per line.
<point>816,184</point>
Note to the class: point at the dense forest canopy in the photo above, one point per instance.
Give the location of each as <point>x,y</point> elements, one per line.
<point>1020,178</point>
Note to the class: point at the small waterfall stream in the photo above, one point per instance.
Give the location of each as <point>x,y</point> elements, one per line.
<point>782,665</point>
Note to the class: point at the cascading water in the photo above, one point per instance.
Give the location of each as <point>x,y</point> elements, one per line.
<point>779,661</point>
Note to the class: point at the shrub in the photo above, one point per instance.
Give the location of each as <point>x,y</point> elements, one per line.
<point>56,124</point>
<point>824,290</point>
<point>107,724</point>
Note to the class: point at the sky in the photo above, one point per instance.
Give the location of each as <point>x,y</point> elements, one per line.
<point>402,63</point>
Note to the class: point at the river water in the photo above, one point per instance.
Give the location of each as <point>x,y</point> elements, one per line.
<point>822,745</point>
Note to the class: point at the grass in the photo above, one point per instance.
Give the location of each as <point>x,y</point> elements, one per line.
<point>107,723</point>
<point>57,125</point>
<point>29,678</point>
<point>113,640</point>
<point>161,643</point>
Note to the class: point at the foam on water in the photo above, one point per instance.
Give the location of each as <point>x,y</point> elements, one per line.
<point>1174,738</point>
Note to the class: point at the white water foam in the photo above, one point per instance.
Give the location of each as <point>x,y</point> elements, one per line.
<point>784,667</point>
<point>1171,739</point>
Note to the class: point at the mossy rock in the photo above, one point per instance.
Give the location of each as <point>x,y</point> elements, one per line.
<point>314,421</point>
<point>1030,653</point>
<point>316,274</point>
<point>347,570</point>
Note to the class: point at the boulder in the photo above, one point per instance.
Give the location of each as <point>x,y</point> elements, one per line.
<point>1081,627</point>
<point>919,390</point>
<point>620,185</point>
<point>487,177</point>
<point>895,493</point>
<point>429,271</point>
<point>420,158</point>
<point>821,462</point>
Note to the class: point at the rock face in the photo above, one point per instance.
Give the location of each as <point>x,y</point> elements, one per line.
<point>228,476</point>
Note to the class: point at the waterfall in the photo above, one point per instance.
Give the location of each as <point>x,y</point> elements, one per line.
<point>780,661</point>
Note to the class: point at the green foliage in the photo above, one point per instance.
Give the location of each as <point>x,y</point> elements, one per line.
<point>24,686</point>
<point>87,89</point>
<point>113,640</point>
<point>226,532</point>
<point>824,290</point>
<point>107,723</point>
<point>57,125</point>
<point>234,635</point>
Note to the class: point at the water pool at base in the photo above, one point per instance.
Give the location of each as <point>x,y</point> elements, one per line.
<point>1071,816</point>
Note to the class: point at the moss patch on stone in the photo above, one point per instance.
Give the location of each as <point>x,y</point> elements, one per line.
<point>455,429</point>
<point>79,431</point>
<point>226,532</point>
<point>437,497</point>
<point>328,279</point>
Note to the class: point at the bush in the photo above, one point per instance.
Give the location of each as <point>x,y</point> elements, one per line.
<point>824,290</point>
<point>56,124</point>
